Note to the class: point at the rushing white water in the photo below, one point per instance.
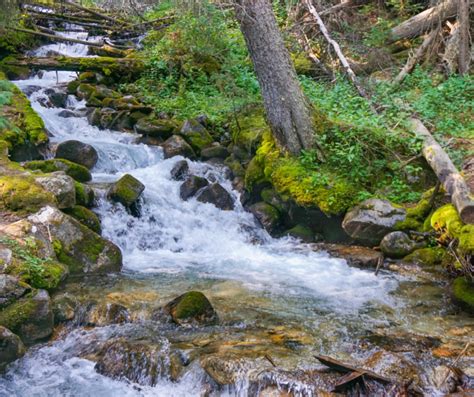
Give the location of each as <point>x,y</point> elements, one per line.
<point>173,236</point>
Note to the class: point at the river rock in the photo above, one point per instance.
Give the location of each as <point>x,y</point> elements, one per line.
<point>66,113</point>
<point>177,146</point>
<point>267,215</point>
<point>155,128</point>
<point>214,152</point>
<point>74,170</point>
<point>78,152</point>
<point>126,191</point>
<point>11,347</point>
<point>196,135</point>
<point>180,170</point>
<point>217,195</point>
<point>303,233</point>
<point>398,245</point>
<point>371,220</point>
<point>61,186</point>
<point>31,317</point>
<point>11,289</point>
<point>191,186</point>
<point>355,255</point>
<point>107,313</point>
<point>75,244</point>
<point>64,307</point>
<point>191,308</point>
<point>56,99</point>
<point>86,217</point>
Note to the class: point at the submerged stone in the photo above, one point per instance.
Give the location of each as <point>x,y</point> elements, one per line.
<point>191,308</point>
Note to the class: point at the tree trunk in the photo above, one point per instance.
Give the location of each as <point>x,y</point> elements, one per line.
<point>289,114</point>
<point>425,20</point>
<point>448,175</point>
<point>464,54</point>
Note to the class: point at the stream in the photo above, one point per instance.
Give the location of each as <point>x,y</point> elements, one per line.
<point>274,297</point>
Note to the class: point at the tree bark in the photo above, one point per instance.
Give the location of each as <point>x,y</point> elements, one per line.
<point>289,114</point>
<point>448,175</point>
<point>425,20</point>
<point>464,53</point>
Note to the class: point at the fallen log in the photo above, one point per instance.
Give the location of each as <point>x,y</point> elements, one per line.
<point>106,65</point>
<point>448,175</point>
<point>347,368</point>
<point>416,57</point>
<point>64,17</point>
<point>425,21</point>
<point>92,12</point>
<point>58,38</point>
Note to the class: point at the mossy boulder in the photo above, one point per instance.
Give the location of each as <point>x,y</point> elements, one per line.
<point>31,317</point>
<point>191,308</point>
<point>75,245</point>
<point>416,215</point>
<point>22,193</point>
<point>11,347</point>
<point>76,171</point>
<point>302,233</point>
<point>463,293</point>
<point>215,151</point>
<point>155,128</point>
<point>398,245</point>
<point>42,274</point>
<point>84,195</point>
<point>61,186</point>
<point>447,223</point>
<point>267,215</point>
<point>254,174</point>
<point>126,191</point>
<point>196,135</point>
<point>429,256</point>
<point>177,146</point>
<point>78,152</point>
<point>86,217</point>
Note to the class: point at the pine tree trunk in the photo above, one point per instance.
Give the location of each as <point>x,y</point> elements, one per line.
<point>288,112</point>
<point>464,53</point>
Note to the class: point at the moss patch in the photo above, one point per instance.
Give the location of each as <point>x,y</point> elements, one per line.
<point>416,215</point>
<point>45,275</point>
<point>192,304</point>
<point>14,315</point>
<point>84,194</point>
<point>427,256</point>
<point>86,217</point>
<point>75,171</point>
<point>463,292</point>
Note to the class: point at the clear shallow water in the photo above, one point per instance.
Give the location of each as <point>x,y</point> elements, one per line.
<point>259,285</point>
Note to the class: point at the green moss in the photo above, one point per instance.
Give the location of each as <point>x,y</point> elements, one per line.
<point>72,87</point>
<point>302,232</point>
<point>463,291</point>
<point>84,195</point>
<point>254,174</point>
<point>302,64</point>
<point>415,219</point>
<point>75,171</point>
<point>249,130</point>
<point>431,256</point>
<point>16,314</point>
<point>86,217</point>
<point>193,303</point>
<point>21,193</point>
<point>126,190</point>
<point>446,221</point>
<point>45,275</point>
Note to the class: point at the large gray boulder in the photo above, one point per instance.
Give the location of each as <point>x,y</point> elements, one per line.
<point>177,146</point>
<point>75,245</point>
<point>11,347</point>
<point>371,220</point>
<point>78,152</point>
<point>61,186</point>
<point>217,195</point>
<point>31,317</point>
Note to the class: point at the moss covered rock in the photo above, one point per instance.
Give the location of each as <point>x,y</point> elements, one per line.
<point>177,146</point>
<point>191,308</point>
<point>61,186</point>
<point>22,193</point>
<point>11,347</point>
<point>84,195</point>
<point>11,289</point>
<point>196,135</point>
<point>430,256</point>
<point>75,245</point>
<point>76,171</point>
<point>126,191</point>
<point>398,244</point>
<point>31,317</point>
<point>39,274</point>
<point>302,233</point>
<point>155,128</point>
<point>86,217</point>
<point>463,293</point>
<point>267,215</point>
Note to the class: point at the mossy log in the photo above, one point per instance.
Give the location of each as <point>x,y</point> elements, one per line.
<point>425,20</point>
<point>448,175</point>
<point>105,65</point>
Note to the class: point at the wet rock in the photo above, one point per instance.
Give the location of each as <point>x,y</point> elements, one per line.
<point>463,293</point>
<point>177,146</point>
<point>67,114</point>
<point>26,152</point>
<point>64,307</point>
<point>88,77</point>
<point>196,135</point>
<point>141,362</point>
<point>78,152</point>
<point>11,289</point>
<point>31,89</point>
<point>191,186</point>
<point>267,215</point>
<point>371,220</point>
<point>11,347</point>
<point>82,250</point>
<point>94,117</point>
<point>126,191</point>
<point>61,186</point>
<point>444,379</point>
<point>215,151</point>
<point>302,233</point>
<point>107,313</point>
<point>217,195</point>
<point>191,308</point>
<point>155,128</point>
<point>398,245</point>
<point>86,217</point>
<point>355,255</point>
<point>56,99</point>
<point>76,171</point>
<point>180,170</point>
<point>402,342</point>
<point>31,317</point>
